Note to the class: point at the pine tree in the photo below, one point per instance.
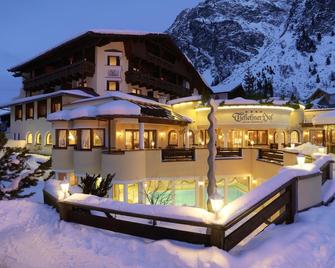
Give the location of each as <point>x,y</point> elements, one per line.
<point>319,37</point>
<point>332,33</point>
<point>311,58</point>
<point>317,79</point>
<point>249,83</point>
<point>328,60</point>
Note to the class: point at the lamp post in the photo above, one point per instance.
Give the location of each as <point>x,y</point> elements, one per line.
<point>65,189</point>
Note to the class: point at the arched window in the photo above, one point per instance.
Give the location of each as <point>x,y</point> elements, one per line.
<point>279,137</point>
<point>29,138</point>
<point>38,138</point>
<point>48,139</point>
<point>173,138</point>
<point>295,137</point>
<point>190,135</point>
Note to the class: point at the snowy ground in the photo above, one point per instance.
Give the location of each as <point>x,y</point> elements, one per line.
<point>31,235</point>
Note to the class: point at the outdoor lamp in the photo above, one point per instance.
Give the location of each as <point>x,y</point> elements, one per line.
<point>301,159</point>
<point>99,179</point>
<point>322,150</point>
<point>252,143</point>
<point>217,203</point>
<point>292,145</point>
<point>65,188</point>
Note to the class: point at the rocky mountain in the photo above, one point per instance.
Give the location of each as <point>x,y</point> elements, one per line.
<point>290,43</point>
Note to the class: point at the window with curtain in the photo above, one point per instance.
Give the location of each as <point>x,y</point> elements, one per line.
<point>113,61</point>
<point>85,139</point>
<point>112,85</point>
<point>173,138</point>
<point>61,138</point>
<point>98,137</point>
<point>30,110</point>
<point>72,137</point>
<point>18,112</point>
<point>259,137</point>
<point>56,104</point>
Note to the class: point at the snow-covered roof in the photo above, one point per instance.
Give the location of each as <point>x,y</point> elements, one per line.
<point>74,92</point>
<point>119,107</point>
<point>115,107</point>
<point>185,99</point>
<point>327,118</point>
<point>239,101</point>
<point>96,31</point>
<point>123,96</point>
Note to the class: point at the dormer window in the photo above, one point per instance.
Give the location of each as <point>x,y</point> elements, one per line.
<point>113,60</point>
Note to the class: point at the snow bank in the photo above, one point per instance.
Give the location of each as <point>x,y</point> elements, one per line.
<point>328,190</point>
<point>60,115</point>
<point>305,148</point>
<point>168,211</point>
<point>185,99</point>
<point>83,111</point>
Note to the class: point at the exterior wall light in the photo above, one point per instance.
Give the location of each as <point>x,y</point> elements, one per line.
<point>152,144</point>
<point>217,203</point>
<point>252,143</point>
<point>300,159</point>
<point>322,150</point>
<point>65,188</point>
<point>201,183</point>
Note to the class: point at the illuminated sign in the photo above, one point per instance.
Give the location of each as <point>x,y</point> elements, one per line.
<point>252,117</point>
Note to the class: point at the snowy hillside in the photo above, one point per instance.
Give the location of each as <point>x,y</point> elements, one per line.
<point>225,38</point>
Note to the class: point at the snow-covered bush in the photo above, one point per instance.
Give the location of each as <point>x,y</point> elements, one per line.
<point>96,185</point>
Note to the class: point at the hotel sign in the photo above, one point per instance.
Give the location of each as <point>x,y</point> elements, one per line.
<point>252,117</point>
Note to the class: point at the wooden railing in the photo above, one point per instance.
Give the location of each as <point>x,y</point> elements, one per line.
<point>68,72</point>
<point>82,214</point>
<point>150,81</point>
<point>272,156</point>
<point>178,154</point>
<point>228,152</point>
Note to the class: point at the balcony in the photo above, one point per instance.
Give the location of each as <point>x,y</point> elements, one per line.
<point>74,71</point>
<point>148,81</point>
<point>178,154</point>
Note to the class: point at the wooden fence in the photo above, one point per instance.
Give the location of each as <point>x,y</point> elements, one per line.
<point>280,206</point>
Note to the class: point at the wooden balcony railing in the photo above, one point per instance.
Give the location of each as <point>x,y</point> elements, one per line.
<point>66,73</point>
<point>228,152</point>
<point>178,154</point>
<point>272,156</point>
<point>145,80</point>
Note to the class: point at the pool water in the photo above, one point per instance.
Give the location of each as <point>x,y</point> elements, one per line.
<point>187,197</point>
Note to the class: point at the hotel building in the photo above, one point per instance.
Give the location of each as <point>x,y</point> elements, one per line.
<point>130,103</point>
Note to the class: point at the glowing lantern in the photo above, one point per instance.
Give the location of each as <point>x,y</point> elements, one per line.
<point>301,159</point>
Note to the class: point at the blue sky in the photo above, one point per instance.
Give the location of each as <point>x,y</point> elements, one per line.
<point>30,27</point>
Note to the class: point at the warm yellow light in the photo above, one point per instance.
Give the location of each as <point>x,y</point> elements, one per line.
<point>162,134</point>
<point>301,159</point>
<point>65,188</point>
<point>292,146</point>
<point>252,143</point>
<point>71,137</point>
<point>189,133</point>
<point>152,144</point>
<point>322,150</point>
<point>220,137</point>
<point>98,183</point>
<point>254,181</point>
<point>201,183</point>
<point>270,137</point>
<point>119,134</point>
<point>217,203</point>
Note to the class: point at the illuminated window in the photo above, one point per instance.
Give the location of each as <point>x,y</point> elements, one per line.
<point>72,137</point>
<point>294,137</point>
<point>29,138</point>
<point>42,108</point>
<point>316,137</point>
<point>85,139</point>
<point>259,137</point>
<point>56,104</point>
<point>18,112</point>
<point>30,110</point>
<point>118,192</point>
<point>112,85</point>
<point>136,91</point>
<point>48,139</point>
<point>61,138</point>
<point>113,61</point>
<point>38,139</point>
<point>133,193</point>
<point>173,138</point>
<point>98,137</point>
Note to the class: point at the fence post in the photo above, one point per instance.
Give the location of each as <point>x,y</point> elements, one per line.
<point>64,211</point>
<point>217,236</point>
<point>291,207</point>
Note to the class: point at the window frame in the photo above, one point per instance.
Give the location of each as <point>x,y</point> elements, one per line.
<point>30,105</point>
<point>39,105</point>
<point>46,139</point>
<point>38,134</point>
<point>32,138</point>
<point>257,136</point>
<point>79,139</point>
<point>103,137</point>
<point>113,56</point>
<point>54,101</point>
<point>117,85</point>
<point>18,108</point>
<point>57,139</point>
